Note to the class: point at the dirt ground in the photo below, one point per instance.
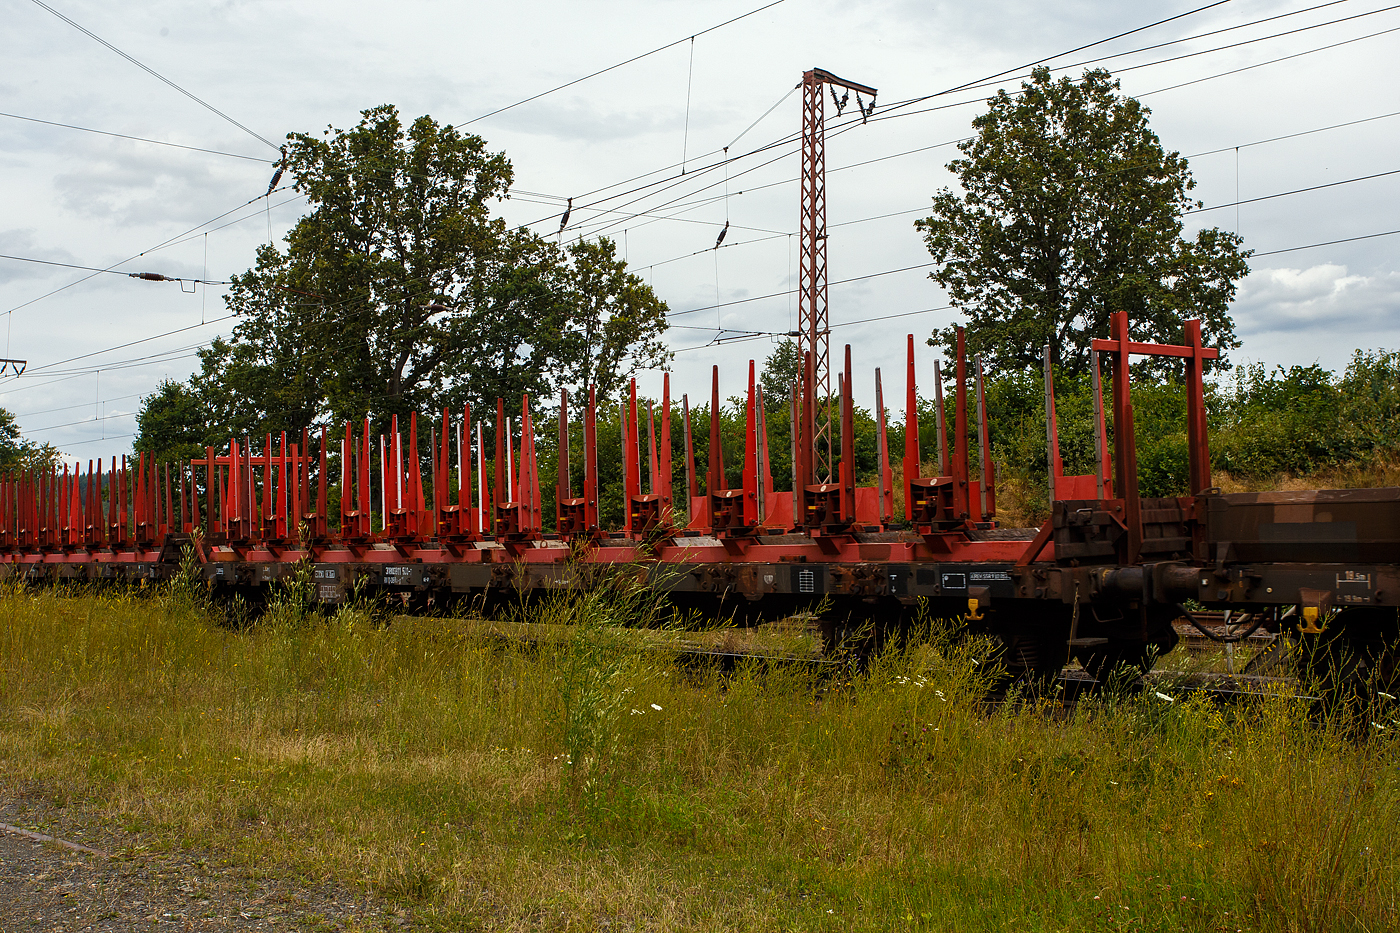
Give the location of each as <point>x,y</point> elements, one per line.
<point>120,886</point>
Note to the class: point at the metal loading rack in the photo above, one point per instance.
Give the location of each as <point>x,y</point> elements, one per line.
<point>1101,581</point>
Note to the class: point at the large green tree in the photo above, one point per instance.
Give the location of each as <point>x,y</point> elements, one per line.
<point>782,368</point>
<point>18,453</point>
<point>174,424</point>
<point>1071,210</point>
<point>401,291</point>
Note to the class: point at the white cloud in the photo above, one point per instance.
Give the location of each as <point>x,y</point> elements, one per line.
<point>1322,296</point>
<point>127,187</point>
<point>1317,314</point>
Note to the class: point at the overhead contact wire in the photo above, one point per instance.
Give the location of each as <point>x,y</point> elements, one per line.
<point>155,74</point>
<point>139,139</point>
<point>603,71</point>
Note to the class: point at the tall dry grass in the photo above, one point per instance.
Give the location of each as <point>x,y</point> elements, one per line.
<point>1369,474</point>
<point>580,781</point>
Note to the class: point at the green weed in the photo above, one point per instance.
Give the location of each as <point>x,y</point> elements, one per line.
<point>583,779</point>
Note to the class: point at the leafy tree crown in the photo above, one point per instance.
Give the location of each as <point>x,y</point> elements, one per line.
<point>1070,210</point>
<point>400,291</point>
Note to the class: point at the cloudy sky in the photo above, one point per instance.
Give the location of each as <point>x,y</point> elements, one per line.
<point>96,342</point>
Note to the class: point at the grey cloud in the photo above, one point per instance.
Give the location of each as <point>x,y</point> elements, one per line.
<point>23,242</point>
<point>127,187</point>
<point>277,66</point>
<point>582,120</point>
<point>1322,298</point>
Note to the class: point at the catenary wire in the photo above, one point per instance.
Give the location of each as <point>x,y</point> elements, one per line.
<point>1280,194</point>
<point>155,74</point>
<point>887,113</point>
<point>755,335</point>
<point>886,317</point>
<point>40,385</point>
<point>1274,139</point>
<point>794,179</point>
<point>1199,210</point>
<point>853,119</point>
<point>1121,35</point>
<point>196,234</point>
<point>1284,194</point>
<point>119,398</point>
<point>49,366</point>
<point>98,440</point>
<point>69,265</point>
<point>677,180</point>
<point>1005,75</point>
<point>854,278</point>
<point>99,420</point>
<point>123,346</point>
<point>139,139</point>
<point>160,245</point>
<point>928,265</point>
<point>635,58</point>
<point>161,357</point>
<point>909,212</point>
<point>169,356</point>
<point>1221,48</point>
<point>1350,239</point>
<point>980,100</point>
<point>1273,61</point>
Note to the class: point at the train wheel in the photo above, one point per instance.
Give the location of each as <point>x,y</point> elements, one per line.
<point>1350,662</point>
<point>1331,669</point>
<point>1033,660</point>
<point>858,631</point>
<point>1123,661</point>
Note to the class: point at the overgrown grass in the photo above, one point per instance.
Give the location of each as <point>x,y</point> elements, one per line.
<point>571,782</point>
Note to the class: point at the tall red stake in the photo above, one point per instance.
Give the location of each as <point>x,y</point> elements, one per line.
<point>663,488</point>
<point>716,475</point>
<point>912,467</point>
<point>962,508</point>
<point>848,444</point>
<point>501,441</point>
<point>750,479</point>
<point>465,520</point>
<point>590,460</point>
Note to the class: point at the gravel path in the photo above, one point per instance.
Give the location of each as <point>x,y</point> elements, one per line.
<point>47,886</point>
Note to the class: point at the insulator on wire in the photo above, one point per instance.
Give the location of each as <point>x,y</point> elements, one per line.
<point>277,175</point>
<point>151,276</point>
<point>720,238</point>
<point>564,221</point>
<point>840,102</point>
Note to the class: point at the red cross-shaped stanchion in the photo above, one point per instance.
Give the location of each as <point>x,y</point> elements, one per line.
<point>1124,442</point>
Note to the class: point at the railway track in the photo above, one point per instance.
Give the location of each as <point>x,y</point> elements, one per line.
<point>1071,684</point>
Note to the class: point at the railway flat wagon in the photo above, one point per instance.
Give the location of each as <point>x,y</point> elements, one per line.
<point>1101,581</point>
